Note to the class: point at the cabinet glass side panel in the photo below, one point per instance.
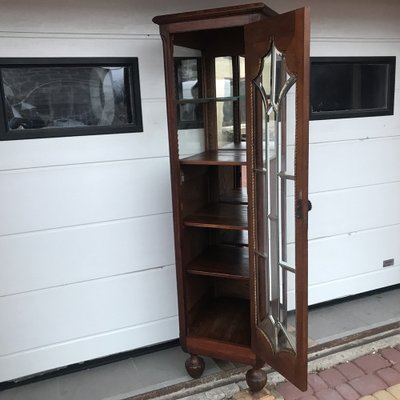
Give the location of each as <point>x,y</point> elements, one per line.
<point>275,91</point>
<point>230,113</point>
<point>189,111</point>
<point>242,99</point>
<point>190,142</point>
<point>225,128</point>
<point>224,89</point>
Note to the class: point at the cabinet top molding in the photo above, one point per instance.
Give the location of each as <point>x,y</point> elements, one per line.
<point>222,12</point>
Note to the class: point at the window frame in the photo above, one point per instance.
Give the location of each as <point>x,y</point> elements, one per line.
<point>40,133</point>
<point>367,112</point>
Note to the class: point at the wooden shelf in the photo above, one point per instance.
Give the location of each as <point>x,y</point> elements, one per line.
<point>217,157</point>
<point>219,216</point>
<point>223,318</point>
<point>235,196</point>
<point>222,262</point>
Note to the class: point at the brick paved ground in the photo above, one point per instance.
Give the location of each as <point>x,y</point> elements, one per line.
<point>371,377</point>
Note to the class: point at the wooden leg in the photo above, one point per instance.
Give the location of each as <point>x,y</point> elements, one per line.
<point>194,366</point>
<point>256,379</point>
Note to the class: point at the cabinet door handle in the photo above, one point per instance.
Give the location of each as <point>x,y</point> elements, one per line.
<point>299,208</point>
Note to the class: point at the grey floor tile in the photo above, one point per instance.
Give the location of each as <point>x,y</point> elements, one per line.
<point>375,309</point>
<point>353,316</point>
<point>392,297</point>
<point>225,365</point>
<point>8,394</point>
<point>116,378</point>
<point>317,329</point>
<point>45,390</point>
<point>79,385</point>
<point>167,368</point>
<point>163,365</point>
<point>331,322</point>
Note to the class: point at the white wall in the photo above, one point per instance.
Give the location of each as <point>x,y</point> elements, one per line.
<point>86,253</point>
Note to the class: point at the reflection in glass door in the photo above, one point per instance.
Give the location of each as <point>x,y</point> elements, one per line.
<point>275,89</point>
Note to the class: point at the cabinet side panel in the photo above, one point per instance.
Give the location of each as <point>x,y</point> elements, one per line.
<point>175,172</point>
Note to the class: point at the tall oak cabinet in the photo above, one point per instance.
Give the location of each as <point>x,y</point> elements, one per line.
<point>237,88</point>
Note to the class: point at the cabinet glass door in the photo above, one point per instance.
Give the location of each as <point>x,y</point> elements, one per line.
<point>277,67</point>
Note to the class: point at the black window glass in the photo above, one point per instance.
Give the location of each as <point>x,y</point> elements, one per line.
<point>351,87</point>
<point>83,98</point>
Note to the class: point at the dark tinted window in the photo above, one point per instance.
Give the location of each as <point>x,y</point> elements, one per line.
<point>69,99</point>
<point>351,87</point>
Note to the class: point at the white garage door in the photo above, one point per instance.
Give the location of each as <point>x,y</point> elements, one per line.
<point>86,242</point>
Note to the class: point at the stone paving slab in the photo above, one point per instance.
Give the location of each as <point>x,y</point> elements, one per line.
<point>383,395</point>
<point>374,376</point>
<point>246,394</point>
<point>395,390</point>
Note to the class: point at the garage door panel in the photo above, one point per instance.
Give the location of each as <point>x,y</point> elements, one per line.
<point>57,355</point>
<point>334,165</point>
<point>352,285</point>
<point>339,129</point>
<point>353,210</point>
<point>148,50</point>
<point>49,198</point>
<point>50,316</point>
<point>344,256</point>
<point>152,142</point>
<point>62,256</point>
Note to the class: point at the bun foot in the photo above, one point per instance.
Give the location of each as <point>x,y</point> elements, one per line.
<point>194,366</point>
<point>256,379</point>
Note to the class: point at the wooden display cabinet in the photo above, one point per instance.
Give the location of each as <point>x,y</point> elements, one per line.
<point>237,100</point>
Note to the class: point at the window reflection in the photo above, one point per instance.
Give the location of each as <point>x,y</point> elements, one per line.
<point>66,96</point>
<point>188,87</point>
